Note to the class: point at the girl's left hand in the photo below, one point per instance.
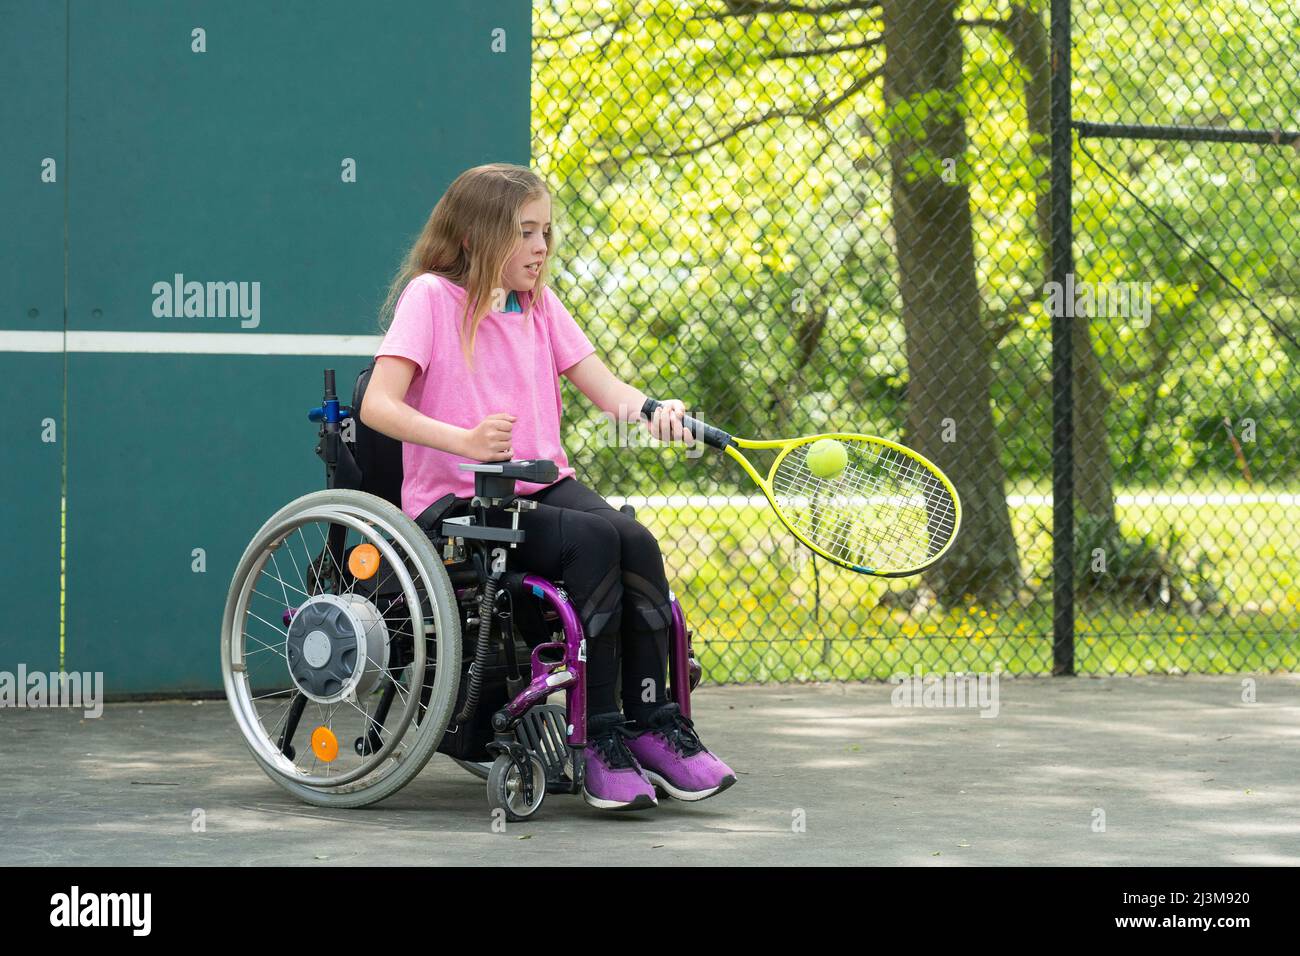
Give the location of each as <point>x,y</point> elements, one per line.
<point>666,425</point>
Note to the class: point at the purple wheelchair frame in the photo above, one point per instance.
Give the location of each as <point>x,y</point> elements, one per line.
<point>568,671</point>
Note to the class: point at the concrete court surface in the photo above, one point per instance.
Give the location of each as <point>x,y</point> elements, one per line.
<point>1184,771</point>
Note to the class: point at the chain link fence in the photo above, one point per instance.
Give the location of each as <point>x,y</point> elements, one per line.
<point>836,216</point>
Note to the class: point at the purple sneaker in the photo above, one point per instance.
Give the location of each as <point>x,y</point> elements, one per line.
<point>612,779</point>
<point>673,758</point>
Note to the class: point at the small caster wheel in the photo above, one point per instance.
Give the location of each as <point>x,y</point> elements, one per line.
<point>506,788</point>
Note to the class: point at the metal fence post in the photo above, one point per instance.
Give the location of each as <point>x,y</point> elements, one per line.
<point>1062,358</point>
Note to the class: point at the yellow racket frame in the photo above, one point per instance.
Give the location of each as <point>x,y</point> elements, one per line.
<point>789,444</point>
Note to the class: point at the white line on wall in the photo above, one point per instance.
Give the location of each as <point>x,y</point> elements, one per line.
<point>1013,501</point>
<point>189,343</point>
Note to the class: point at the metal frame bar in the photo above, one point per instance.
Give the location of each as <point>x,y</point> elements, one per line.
<point>1201,134</point>
<point>1062,147</point>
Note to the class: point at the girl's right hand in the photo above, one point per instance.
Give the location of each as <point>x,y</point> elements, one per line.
<point>489,440</point>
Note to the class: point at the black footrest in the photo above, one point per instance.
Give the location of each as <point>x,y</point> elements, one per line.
<point>544,731</point>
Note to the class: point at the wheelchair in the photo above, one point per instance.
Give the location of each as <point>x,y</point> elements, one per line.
<point>357,642</point>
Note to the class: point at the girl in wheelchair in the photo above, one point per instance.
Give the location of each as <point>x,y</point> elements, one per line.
<point>469,370</point>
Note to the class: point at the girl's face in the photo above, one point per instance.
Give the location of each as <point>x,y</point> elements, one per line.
<point>520,270</point>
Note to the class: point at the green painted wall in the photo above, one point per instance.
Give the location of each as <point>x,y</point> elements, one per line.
<point>33,60</point>
<point>223,166</point>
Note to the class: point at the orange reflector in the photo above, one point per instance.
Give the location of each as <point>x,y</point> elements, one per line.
<point>363,562</point>
<point>324,744</point>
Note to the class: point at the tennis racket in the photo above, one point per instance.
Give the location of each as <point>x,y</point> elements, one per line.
<point>889,512</point>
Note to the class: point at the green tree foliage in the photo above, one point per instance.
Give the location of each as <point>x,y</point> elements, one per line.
<point>725,228</point>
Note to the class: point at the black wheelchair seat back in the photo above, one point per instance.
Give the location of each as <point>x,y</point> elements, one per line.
<point>378,457</point>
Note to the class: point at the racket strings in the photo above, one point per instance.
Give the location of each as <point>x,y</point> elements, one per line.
<point>884,510</point>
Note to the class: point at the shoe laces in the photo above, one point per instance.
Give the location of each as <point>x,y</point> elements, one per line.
<point>680,733</point>
<point>612,747</point>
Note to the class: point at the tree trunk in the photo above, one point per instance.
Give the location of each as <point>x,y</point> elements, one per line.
<point>1094,475</point>
<point>948,351</point>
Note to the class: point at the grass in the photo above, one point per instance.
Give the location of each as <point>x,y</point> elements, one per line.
<point>759,614</point>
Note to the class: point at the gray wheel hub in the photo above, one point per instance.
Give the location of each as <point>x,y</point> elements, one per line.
<point>337,647</point>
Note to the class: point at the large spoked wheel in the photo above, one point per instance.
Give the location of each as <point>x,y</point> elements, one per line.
<point>341,648</point>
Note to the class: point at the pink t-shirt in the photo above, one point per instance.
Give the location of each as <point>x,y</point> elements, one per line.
<point>517,366</point>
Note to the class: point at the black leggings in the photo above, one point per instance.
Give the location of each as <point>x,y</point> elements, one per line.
<point>614,575</point>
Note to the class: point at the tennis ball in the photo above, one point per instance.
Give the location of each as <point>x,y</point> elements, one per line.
<point>826,458</point>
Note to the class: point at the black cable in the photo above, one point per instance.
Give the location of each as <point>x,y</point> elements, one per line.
<point>1196,252</point>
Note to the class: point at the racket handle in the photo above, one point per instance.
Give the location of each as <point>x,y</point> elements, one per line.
<point>705,433</point>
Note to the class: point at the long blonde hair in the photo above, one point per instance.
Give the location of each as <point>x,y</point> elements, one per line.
<point>482,206</point>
